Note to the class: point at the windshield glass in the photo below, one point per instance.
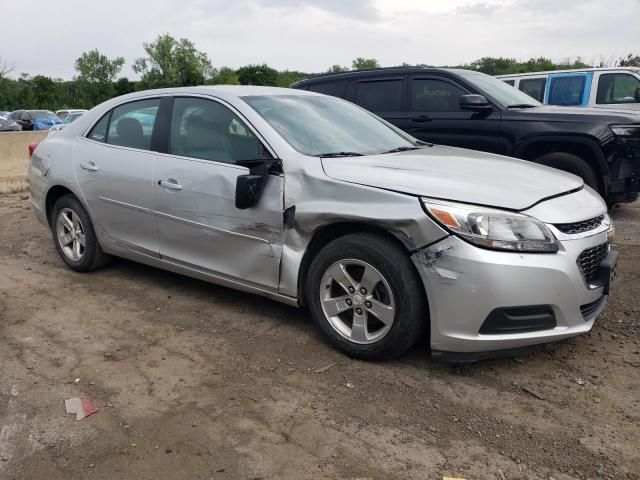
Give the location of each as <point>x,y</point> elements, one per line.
<point>320,125</point>
<point>43,115</point>
<point>504,94</point>
<point>71,117</point>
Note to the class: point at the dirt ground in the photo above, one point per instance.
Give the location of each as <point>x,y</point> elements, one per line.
<point>195,381</point>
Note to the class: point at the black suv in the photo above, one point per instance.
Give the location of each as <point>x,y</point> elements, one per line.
<point>469,109</point>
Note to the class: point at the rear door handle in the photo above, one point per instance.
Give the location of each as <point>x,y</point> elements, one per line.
<point>421,119</point>
<point>170,183</point>
<point>89,166</point>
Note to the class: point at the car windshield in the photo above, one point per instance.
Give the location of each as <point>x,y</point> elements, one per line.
<point>71,117</point>
<point>504,94</point>
<point>43,115</point>
<point>327,126</point>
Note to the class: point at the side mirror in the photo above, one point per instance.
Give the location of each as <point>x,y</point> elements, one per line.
<point>249,187</point>
<point>248,190</point>
<point>474,102</point>
<point>637,94</point>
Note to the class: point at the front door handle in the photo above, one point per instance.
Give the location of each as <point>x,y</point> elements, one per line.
<point>89,166</point>
<point>170,183</point>
<point>421,119</point>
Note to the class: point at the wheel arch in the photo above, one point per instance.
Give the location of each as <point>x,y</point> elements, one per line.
<point>53,194</point>
<point>583,147</point>
<point>327,233</point>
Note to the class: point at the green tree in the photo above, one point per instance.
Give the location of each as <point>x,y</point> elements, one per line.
<point>364,63</point>
<point>47,94</point>
<point>337,69</point>
<point>287,77</point>
<point>96,73</point>
<point>224,76</point>
<point>94,67</point>
<point>172,63</point>
<point>258,75</point>
<point>123,86</point>
<point>630,61</point>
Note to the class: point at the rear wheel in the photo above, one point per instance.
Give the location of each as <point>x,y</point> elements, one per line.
<point>572,164</point>
<point>74,236</point>
<point>365,295</point>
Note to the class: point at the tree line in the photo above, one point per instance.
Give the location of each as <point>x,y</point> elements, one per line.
<point>171,62</point>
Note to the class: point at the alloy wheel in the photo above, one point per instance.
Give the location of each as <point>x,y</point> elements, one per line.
<point>357,301</point>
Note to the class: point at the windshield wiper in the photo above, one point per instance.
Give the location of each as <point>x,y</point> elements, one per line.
<point>338,154</point>
<point>401,149</point>
<point>522,105</point>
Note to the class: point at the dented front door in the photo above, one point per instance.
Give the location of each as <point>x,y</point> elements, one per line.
<point>199,226</point>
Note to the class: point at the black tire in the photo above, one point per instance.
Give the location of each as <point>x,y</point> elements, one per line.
<point>572,164</point>
<point>390,260</point>
<point>92,257</point>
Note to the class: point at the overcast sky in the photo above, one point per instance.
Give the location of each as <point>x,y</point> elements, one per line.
<point>46,36</point>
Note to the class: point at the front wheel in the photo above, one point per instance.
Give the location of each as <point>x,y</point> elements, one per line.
<point>572,164</point>
<point>365,295</point>
<point>74,236</point>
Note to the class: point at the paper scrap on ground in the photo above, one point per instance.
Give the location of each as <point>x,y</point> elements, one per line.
<point>81,407</point>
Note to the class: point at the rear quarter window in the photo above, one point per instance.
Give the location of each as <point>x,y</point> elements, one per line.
<point>380,95</point>
<point>335,89</point>
<point>534,87</point>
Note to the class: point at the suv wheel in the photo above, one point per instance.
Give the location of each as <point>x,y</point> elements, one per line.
<point>74,236</point>
<point>572,164</point>
<point>365,295</point>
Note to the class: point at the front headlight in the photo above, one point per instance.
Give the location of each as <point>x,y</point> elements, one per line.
<point>626,130</point>
<point>491,228</point>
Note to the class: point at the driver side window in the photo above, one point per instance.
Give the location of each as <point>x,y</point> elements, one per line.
<point>208,130</point>
<point>430,95</point>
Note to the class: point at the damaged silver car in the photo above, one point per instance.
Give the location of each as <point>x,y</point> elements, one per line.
<point>313,201</point>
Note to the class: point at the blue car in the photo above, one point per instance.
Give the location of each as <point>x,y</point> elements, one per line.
<point>35,119</point>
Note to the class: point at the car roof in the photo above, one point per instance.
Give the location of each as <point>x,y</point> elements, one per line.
<point>573,70</point>
<point>221,91</point>
<point>322,77</point>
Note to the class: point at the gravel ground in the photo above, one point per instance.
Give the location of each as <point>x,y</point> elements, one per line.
<point>195,381</point>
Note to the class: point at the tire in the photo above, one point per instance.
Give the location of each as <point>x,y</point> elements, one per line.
<point>70,226</point>
<point>572,164</point>
<point>398,295</point>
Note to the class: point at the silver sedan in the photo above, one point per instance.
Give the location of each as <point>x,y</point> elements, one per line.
<point>313,201</point>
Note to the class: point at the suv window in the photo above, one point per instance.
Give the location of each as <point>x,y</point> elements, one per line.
<point>617,88</point>
<point>131,124</point>
<point>510,82</point>
<point>566,90</point>
<point>207,130</point>
<point>335,89</point>
<point>429,95</point>
<point>380,95</point>
<point>534,87</point>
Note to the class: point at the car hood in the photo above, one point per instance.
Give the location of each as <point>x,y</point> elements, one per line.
<point>553,113</point>
<point>456,174</point>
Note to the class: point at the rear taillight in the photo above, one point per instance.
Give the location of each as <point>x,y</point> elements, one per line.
<point>32,148</point>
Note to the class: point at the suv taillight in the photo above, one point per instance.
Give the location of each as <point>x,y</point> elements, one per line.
<point>32,148</point>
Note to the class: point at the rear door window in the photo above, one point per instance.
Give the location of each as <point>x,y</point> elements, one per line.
<point>617,88</point>
<point>567,90</point>
<point>432,95</point>
<point>383,95</point>
<point>534,87</point>
<point>335,89</point>
<point>510,82</point>
<point>131,124</point>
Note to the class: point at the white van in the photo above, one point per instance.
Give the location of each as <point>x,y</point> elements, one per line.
<point>617,87</point>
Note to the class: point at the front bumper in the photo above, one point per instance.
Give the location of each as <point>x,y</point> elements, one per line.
<point>464,284</point>
<point>623,157</point>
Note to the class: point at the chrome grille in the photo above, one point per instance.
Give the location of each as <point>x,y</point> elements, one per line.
<point>589,261</point>
<point>580,227</point>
